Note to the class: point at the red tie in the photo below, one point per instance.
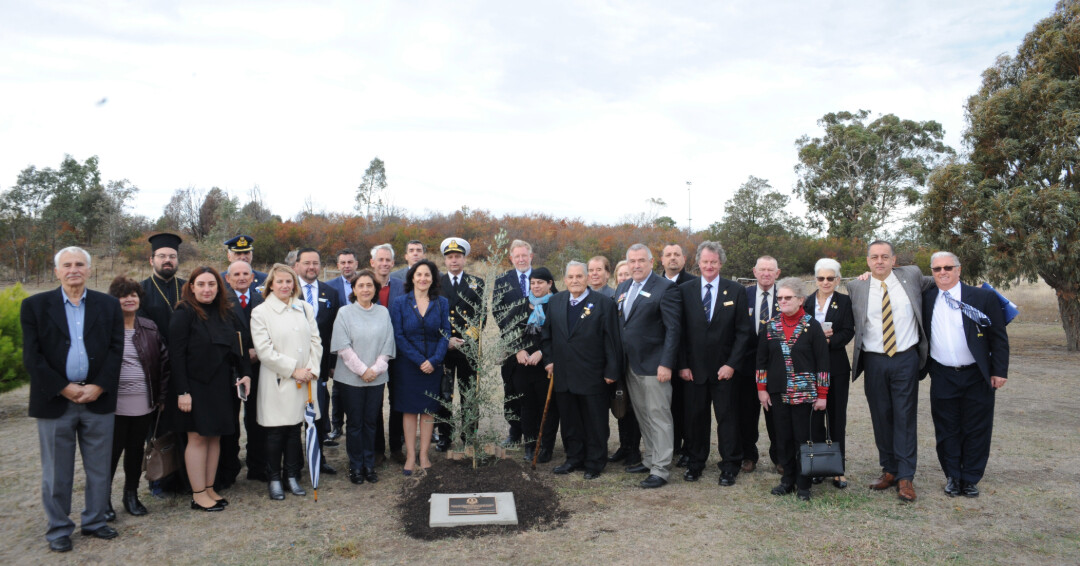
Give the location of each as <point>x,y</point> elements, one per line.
<point>243,301</point>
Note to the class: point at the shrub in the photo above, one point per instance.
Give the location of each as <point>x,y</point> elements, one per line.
<point>12,372</point>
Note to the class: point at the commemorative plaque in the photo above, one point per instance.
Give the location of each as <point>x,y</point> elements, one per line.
<point>458,509</point>
<point>473,505</point>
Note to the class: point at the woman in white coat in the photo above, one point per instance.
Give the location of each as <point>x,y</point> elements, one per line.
<point>287,342</point>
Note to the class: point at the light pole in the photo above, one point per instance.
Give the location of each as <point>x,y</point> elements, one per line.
<point>689,230</point>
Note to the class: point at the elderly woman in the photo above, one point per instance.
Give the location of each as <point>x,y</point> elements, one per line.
<point>833,312</point>
<point>421,319</point>
<point>792,379</point>
<point>288,345</point>
<point>144,375</point>
<point>529,376</point>
<point>622,272</point>
<point>364,343</point>
<point>207,357</point>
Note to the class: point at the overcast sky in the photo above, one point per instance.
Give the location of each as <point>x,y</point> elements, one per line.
<point>575,109</point>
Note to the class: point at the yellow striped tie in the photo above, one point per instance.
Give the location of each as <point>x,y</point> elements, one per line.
<point>888,331</point>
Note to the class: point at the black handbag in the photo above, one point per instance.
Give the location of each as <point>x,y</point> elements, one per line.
<point>620,400</point>
<point>822,459</point>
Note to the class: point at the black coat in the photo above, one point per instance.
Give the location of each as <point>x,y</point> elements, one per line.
<point>843,325</point>
<point>463,302</point>
<point>510,305</point>
<point>192,340</point>
<point>650,334</point>
<point>329,303</point>
<point>809,354</point>
<point>46,342</point>
<point>748,364</point>
<point>723,341</point>
<point>989,345</point>
<point>592,352</point>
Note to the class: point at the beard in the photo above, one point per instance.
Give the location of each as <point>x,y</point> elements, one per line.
<point>166,272</point>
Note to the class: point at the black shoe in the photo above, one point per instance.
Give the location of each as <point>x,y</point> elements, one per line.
<point>839,483</point>
<point>294,487</point>
<point>817,480</point>
<point>110,514</point>
<point>804,495</point>
<point>335,433</point>
<point>727,479</point>
<point>782,489</point>
<point>633,458</point>
<point>371,476</point>
<point>652,482</point>
<point>591,475</point>
<point>277,493</point>
<point>619,455</point>
<point>62,544</point>
<point>683,462</point>
<point>103,533</point>
<point>132,504</point>
<point>637,469</point>
<point>969,489</point>
<point>356,476</point>
<point>691,475</point>
<point>529,453</point>
<point>327,469</point>
<point>329,442</point>
<point>566,468</point>
<point>952,487</point>
<point>215,507</point>
<point>544,457</point>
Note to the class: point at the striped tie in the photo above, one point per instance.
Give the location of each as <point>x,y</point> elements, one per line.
<point>888,331</point>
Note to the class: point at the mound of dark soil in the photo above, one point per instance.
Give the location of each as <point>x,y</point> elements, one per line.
<point>537,503</point>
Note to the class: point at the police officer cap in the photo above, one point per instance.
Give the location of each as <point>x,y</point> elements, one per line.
<point>240,243</point>
<point>455,244</point>
<point>164,241</point>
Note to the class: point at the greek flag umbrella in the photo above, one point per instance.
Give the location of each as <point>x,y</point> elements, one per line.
<point>314,455</point>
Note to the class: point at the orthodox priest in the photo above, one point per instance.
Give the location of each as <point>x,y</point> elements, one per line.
<point>162,289</point>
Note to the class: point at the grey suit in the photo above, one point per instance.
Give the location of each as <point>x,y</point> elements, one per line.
<point>400,274</point>
<point>892,383</point>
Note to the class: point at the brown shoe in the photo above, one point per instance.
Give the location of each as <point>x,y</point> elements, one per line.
<point>748,466</point>
<point>886,481</point>
<point>907,491</point>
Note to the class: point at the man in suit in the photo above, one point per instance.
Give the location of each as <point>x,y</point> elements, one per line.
<point>464,293</point>
<point>346,264</point>
<point>73,344</point>
<point>581,348</point>
<point>244,299</point>
<point>761,299</point>
<point>891,346</point>
<point>511,306</point>
<point>673,264</point>
<point>414,252</point>
<point>629,431</point>
<point>969,362</point>
<point>650,315</point>
<point>716,333</point>
<point>382,263</point>
<point>242,248</point>
<point>325,301</point>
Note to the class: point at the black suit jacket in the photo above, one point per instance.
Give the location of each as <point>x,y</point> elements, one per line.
<point>748,366</point>
<point>683,277</point>
<point>329,303</point>
<point>510,304</point>
<point>46,342</point>
<point>990,345</point>
<point>463,302</point>
<point>592,352</point>
<point>650,334</point>
<point>724,341</point>
<point>838,312</point>
<point>244,314</point>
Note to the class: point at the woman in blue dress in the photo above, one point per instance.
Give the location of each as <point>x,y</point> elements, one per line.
<point>421,319</point>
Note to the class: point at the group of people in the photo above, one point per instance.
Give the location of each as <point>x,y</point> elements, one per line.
<point>191,355</point>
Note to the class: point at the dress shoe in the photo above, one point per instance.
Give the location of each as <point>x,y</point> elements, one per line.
<point>294,487</point>
<point>748,466</point>
<point>544,457</point>
<point>839,483</point>
<point>356,477</point>
<point>952,487</point>
<point>691,475</point>
<point>727,479</point>
<point>62,544</point>
<point>277,493</point>
<point>782,489</point>
<point>327,468</point>
<point>652,482</point>
<point>327,441</point>
<point>633,458</point>
<point>969,489</point>
<point>591,475</point>
<point>222,501</point>
<point>683,462</point>
<point>566,468</point>
<point>886,481</point>
<point>215,507</point>
<point>371,476</point>
<point>619,455</point>
<point>132,504</point>
<point>110,513</point>
<point>906,491</point>
<point>817,480</point>
<point>335,433</point>
<point>529,453</point>
<point>803,495</point>
<point>637,469</point>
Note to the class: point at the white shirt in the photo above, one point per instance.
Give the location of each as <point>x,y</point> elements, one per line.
<point>672,279</point>
<point>759,316</point>
<point>821,308</point>
<point>712,307</point>
<point>243,294</point>
<point>948,343</point>
<point>903,316</point>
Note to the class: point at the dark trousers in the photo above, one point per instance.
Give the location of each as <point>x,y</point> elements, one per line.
<point>793,425</point>
<point>256,434</point>
<point>585,431</point>
<point>630,433</point>
<point>511,402</point>
<point>283,444</point>
<point>532,382</point>
<point>361,406</point>
<point>892,394</point>
<point>748,408</point>
<point>322,397</point>
<point>836,409</point>
<point>337,412</point>
<point>129,438</point>
<point>397,423</point>
<point>962,405</point>
<point>229,460</point>
<point>678,415</point>
<point>455,364</point>
<point>721,394</point>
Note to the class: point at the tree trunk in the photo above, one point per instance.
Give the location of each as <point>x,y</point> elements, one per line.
<point>1069,307</point>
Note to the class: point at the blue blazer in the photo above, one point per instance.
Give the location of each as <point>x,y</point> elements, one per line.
<point>338,284</point>
<point>417,338</point>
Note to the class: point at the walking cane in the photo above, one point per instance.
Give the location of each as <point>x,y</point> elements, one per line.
<point>539,437</point>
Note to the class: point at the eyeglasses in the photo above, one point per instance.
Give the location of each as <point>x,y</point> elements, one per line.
<point>164,256</point>
<point>786,298</point>
<point>945,267</point>
<point>829,279</point>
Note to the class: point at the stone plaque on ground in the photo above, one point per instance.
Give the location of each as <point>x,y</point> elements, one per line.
<point>459,509</point>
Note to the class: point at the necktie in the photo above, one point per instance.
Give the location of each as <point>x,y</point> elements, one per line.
<point>708,302</point>
<point>630,299</point>
<point>968,310</point>
<point>524,286</point>
<point>243,301</point>
<point>455,282</point>
<point>310,296</point>
<point>763,311</point>
<point>888,332</point>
